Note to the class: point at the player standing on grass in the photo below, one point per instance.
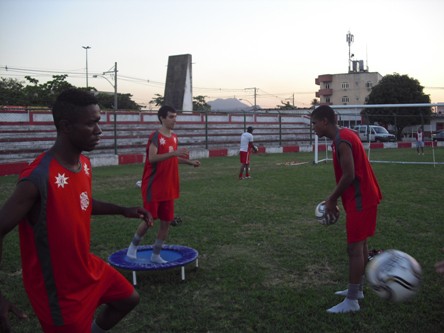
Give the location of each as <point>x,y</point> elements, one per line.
<point>359,191</point>
<point>420,141</point>
<point>52,204</point>
<point>160,180</point>
<point>246,147</point>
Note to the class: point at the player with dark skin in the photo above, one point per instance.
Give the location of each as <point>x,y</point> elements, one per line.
<point>77,131</point>
<point>356,251</point>
<point>348,147</point>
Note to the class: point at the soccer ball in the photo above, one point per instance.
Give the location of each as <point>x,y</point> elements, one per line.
<point>139,183</point>
<point>394,275</point>
<point>323,217</point>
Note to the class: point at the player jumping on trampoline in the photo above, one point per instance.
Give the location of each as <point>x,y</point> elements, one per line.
<point>52,204</point>
<point>160,180</point>
<point>246,147</point>
<point>359,191</point>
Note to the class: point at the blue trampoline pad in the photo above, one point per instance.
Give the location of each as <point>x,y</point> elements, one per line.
<point>175,255</point>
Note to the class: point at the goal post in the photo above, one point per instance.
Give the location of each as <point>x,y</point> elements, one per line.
<point>350,116</point>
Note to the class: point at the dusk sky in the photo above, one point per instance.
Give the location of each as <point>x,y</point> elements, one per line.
<point>276,46</point>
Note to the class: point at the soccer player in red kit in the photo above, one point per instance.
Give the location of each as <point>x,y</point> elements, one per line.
<point>359,191</point>
<point>160,181</point>
<point>52,205</point>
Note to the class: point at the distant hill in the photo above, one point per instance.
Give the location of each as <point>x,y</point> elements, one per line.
<point>229,104</point>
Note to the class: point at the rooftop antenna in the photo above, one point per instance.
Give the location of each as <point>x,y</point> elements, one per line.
<point>366,57</point>
<point>350,39</point>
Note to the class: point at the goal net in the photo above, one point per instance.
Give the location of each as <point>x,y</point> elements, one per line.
<point>397,143</point>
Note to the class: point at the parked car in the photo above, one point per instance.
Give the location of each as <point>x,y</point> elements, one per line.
<point>374,133</point>
<point>438,136</point>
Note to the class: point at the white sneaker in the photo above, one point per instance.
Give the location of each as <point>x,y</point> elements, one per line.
<point>132,252</point>
<point>345,293</point>
<point>347,305</point>
<point>157,259</point>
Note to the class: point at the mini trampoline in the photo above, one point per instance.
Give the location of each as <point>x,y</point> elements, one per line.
<point>176,255</point>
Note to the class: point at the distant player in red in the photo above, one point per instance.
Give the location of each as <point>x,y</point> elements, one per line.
<point>359,191</point>
<point>246,148</point>
<point>52,205</point>
<point>160,181</point>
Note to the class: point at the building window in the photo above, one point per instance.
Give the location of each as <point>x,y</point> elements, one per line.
<point>369,84</point>
<point>327,85</point>
<point>327,99</point>
<point>345,85</point>
<point>345,99</point>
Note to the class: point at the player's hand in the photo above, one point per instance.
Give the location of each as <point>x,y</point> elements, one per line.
<point>141,213</point>
<point>181,152</point>
<point>5,308</point>
<point>195,163</point>
<point>331,208</point>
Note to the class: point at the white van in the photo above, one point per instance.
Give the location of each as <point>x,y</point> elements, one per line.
<point>377,133</point>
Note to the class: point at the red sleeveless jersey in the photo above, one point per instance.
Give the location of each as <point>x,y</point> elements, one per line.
<point>364,192</point>
<point>160,181</point>
<point>59,272</point>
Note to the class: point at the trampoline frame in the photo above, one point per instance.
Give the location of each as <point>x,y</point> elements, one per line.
<point>120,260</point>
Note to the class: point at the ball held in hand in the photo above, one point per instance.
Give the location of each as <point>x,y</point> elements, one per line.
<point>323,217</point>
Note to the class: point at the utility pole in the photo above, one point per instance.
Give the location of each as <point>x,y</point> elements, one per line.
<point>86,49</point>
<point>255,93</point>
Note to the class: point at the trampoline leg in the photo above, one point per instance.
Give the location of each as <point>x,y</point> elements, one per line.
<point>134,278</point>
<point>197,263</point>
<point>182,272</point>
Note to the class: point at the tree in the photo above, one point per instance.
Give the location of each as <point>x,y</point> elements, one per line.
<point>14,92</point>
<point>398,89</point>
<point>199,104</point>
<point>314,103</point>
<point>286,106</point>
<point>11,92</point>
<point>158,100</point>
<point>124,101</point>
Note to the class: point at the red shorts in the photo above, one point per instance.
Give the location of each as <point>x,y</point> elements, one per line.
<point>361,225</point>
<point>112,287</point>
<point>245,157</point>
<point>163,210</point>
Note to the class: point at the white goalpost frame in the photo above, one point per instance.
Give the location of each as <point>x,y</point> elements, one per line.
<point>374,106</point>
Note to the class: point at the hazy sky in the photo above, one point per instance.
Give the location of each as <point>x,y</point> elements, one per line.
<point>276,46</point>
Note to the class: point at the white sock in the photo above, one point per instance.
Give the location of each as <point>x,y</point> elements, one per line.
<point>157,247</point>
<point>347,305</point>
<point>157,259</point>
<point>96,329</point>
<point>132,248</point>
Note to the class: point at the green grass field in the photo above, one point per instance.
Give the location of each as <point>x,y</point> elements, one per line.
<point>265,264</point>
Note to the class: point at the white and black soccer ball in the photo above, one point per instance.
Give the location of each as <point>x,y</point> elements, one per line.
<point>323,217</point>
<point>394,275</point>
<point>139,183</point>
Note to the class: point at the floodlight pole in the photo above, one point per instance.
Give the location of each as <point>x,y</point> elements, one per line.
<point>86,49</point>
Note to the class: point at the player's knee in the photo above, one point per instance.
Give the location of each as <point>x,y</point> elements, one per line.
<point>131,302</point>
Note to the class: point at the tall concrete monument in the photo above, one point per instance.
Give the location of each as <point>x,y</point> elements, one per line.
<point>179,87</point>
